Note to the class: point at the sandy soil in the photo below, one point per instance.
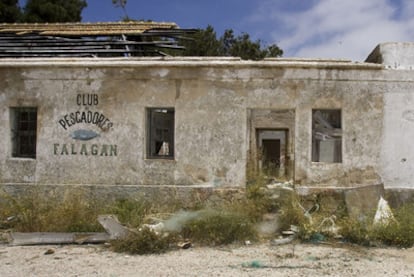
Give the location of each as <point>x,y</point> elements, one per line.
<point>253,260</point>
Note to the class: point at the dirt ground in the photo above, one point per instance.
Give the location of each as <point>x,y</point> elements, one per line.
<point>253,260</point>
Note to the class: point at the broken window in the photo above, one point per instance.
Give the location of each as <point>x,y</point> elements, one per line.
<point>23,129</point>
<point>160,143</point>
<point>326,136</point>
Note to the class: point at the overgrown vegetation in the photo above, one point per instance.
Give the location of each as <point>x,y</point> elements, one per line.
<point>144,242</point>
<point>214,227</point>
<point>38,211</point>
<point>229,222</point>
<point>397,232</point>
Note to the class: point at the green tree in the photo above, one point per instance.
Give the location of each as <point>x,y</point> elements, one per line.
<point>53,10</point>
<point>9,11</point>
<point>205,43</point>
<point>202,43</point>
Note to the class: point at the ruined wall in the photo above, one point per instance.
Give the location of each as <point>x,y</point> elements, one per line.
<point>210,130</point>
<point>397,157</point>
<point>212,100</point>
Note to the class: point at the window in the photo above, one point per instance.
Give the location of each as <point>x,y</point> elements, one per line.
<point>160,142</point>
<point>23,129</point>
<point>326,136</point>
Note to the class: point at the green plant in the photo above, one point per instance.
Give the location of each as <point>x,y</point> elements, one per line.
<point>38,211</point>
<point>355,231</point>
<point>400,231</point>
<point>218,227</point>
<point>131,212</point>
<point>258,200</point>
<point>291,213</point>
<point>144,242</point>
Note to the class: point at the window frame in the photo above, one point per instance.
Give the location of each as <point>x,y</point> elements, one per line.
<point>337,132</point>
<point>23,128</point>
<point>156,144</point>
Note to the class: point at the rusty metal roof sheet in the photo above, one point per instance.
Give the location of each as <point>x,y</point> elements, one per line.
<point>106,39</point>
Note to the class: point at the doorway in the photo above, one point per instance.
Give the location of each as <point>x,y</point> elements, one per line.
<point>271,146</point>
<point>272,149</point>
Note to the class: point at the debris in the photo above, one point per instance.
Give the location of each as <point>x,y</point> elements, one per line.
<point>113,227</point>
<point>253,264</point>
<point>156,228</point>
<point>317,238</point>
<point>49,252</point>
<point>284,185</point>
<point>292,234</point>
<point>38,238</point>
<point>185,245</point>
<point>307,212</point>
<point>361,201</point>
<point>383,215</point>
<point>283,240</point>
<point>328,226</point>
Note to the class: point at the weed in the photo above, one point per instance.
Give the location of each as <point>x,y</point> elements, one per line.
<point>131,211</point>
<point>144,242</point>
<point>355,231</point>
<point>399,232</point>
<point>291,213</point>
<point>36,211</point>
<point>218,227</point>
<point>257,201</point>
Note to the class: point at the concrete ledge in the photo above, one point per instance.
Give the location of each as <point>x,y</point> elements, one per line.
<point>187,195</point>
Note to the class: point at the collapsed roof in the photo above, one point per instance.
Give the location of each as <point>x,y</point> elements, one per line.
<point>109,39</point>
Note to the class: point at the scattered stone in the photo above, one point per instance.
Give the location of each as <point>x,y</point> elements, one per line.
<point>113,227</point>
<point>49,252</point>
<point>185,245</point>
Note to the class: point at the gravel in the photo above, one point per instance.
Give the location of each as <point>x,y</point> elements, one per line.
<point>252,260</point>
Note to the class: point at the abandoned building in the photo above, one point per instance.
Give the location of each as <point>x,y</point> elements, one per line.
<point>77,110</point>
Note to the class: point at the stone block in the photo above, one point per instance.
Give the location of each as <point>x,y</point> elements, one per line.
<point>362,202</point>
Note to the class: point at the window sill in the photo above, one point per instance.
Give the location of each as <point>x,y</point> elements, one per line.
<point>22,159</point>
<point>158,159</point>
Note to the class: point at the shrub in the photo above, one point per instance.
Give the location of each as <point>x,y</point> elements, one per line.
<point>37,211</point>
<point>144,242</point>
<point>399,232</point>
<point>131,212</point>
<point>355,231</point>
<point>291,213</point>
<point>219,227</point>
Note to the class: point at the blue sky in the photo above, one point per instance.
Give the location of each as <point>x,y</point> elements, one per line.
<point>348,29</point>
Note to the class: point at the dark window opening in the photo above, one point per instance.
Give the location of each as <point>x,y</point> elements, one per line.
<point>160,133</point>
<point>326,136</point>
<point>23,130</point>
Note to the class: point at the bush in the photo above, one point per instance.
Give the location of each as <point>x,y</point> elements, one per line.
<point>291,213</point>
<point>38,211</point>
<point>399,232</point>
<point>217,228</point>
<point>144,242</point>
<point>355,231</point>
<point>131,212</point>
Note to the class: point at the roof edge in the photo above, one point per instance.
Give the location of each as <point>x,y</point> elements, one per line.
<point>185,62</point>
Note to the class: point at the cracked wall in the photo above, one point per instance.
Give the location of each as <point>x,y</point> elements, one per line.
<point>212,101</point>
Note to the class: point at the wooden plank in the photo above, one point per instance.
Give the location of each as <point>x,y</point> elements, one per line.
<point>38,238</point>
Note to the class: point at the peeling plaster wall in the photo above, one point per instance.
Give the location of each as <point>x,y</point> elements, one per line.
<point>397,157</point>
<point>212,99</point>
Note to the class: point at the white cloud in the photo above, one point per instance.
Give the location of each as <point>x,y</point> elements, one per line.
<point>338,28</point>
